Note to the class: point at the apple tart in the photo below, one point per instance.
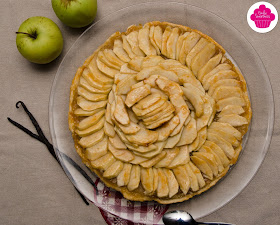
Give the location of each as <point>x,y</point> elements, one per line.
<point>158,112</point>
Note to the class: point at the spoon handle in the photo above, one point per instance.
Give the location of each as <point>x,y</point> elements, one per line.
<point>213,223</point>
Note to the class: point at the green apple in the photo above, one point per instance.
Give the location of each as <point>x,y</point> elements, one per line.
<point>75,13</point>
<point>39,40</point>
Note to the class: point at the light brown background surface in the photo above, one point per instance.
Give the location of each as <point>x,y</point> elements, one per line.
<point>34,189</point>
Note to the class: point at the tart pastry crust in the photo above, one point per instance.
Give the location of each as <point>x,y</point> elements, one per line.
<point>158,112</point>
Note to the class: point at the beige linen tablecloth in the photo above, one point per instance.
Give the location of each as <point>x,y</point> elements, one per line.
<point>34,189</point>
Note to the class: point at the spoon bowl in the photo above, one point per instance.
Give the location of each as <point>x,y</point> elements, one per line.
<point>179,217</point>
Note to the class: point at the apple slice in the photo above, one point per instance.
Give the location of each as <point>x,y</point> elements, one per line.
<point>177,101</point>
<point>209,66</point>
<point>97,75</point>
<point>148,101</point>
<point>153,161</point>
<point>223,92</point>
<point>166,129</point>
<point>207,112</point>
<point>150,154</point>
<point>209,159</point>
<point>89,105</point>
<point>143,137</point>
<point>122,135</point>
<point>183,178</point>
<point>220,67</point>
<point>151,36</point>
<point>227,128</point>
<point>223,74</point>
<point>155,182</point>
<point>121,154</point>
<point>207,149</point>
<point>157,70</point>
<point>170,155</point>
<point>165,37</point>
<point>222,143</point>
<point>189,133</point>
<point>127,47</point>
<point>193,179</point>
<point>91,96</point>
<point>92,129</point>
<point>142,149</point>
<point>103,162</point>
<point>136,63</point>
<point>181,159</point>
<point>195,50</point>
<point>202,57</point>
<point>104,60</point>
<point>233,119</point>
<point>162,188</point>
<point>198,175</point>
<point>225,135</point>
<point>202,136</point>
<point>164,118</point>
<point>96,151</point>
<point>85,84</point>
<point>113,170</point>
<point>231,109</point>
<point>171,43</point>
<point>92,139</point>
<point>120,112</point>
<point>110,72</point>
<point>174,140</point>
<point>91,120</point>
<point>132,39</point>
<point>119,51</point>
<point>81,112</point>
<point>134,178</point>
<point>124,86</point>
<point>137,94</point>
<point>224,82</point>
<point>168,86</point>
<point>117,142</point>
<point>132,128</point>
<point>126,69</point>
<point>138,159</point>
<point>218,151</point>
<point>150,111</point>
<point>144,41</point>
<point>111,57</point>
<point>93,81</point>
<point>188,44</point>
<point>194,95</point>
<point>179,44</point>
<point>147,180</point>
<point>158,36</point>
<point>151,60</point>
<point>230,101</point>
<point>173,185</point>
<point>124,175</point>
<point>109,129</point>
<point>203,166</point>
<point>183,114</point>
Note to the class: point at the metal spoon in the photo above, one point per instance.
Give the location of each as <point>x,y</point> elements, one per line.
<point>179,217</point>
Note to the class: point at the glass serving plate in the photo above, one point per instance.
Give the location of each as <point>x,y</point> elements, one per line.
<point>256,141</point>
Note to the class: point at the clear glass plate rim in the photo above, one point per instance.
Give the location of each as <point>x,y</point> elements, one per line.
<point>270,124</point>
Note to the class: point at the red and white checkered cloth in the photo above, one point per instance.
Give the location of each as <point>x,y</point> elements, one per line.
<point>116,210</point>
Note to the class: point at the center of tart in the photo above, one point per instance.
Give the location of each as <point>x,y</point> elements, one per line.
<point>155,104</point>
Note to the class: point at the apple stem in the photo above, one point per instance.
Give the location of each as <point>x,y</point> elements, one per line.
<point>30,35</point>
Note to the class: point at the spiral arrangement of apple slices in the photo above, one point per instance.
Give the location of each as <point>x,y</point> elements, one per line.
<point>158,112</point>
